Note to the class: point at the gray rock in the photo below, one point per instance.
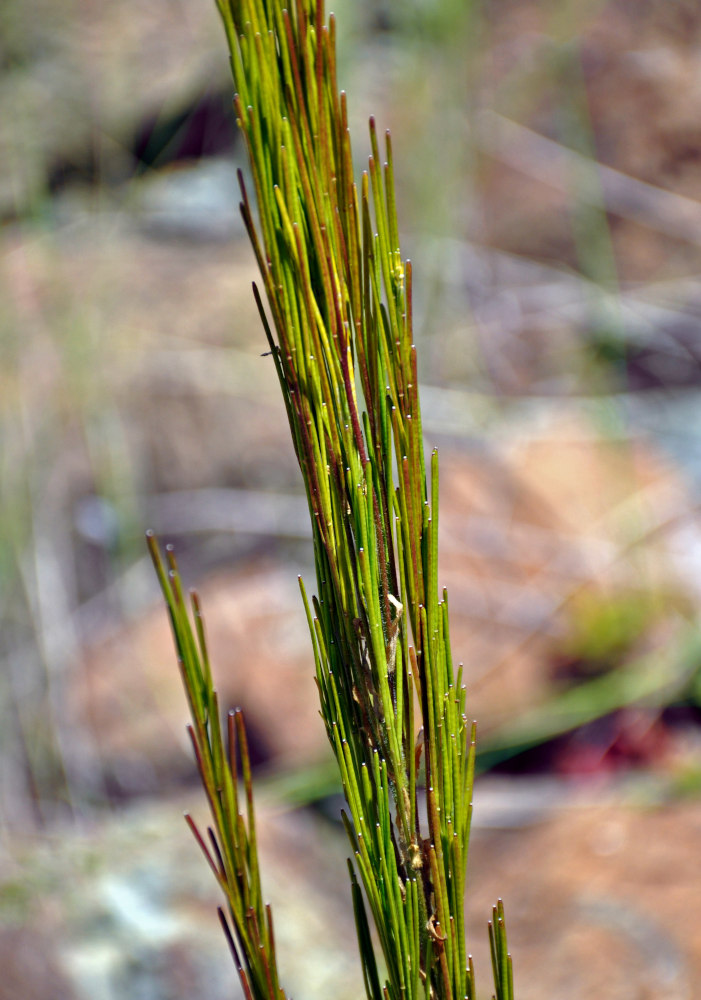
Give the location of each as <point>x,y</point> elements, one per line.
<point>199,201</point>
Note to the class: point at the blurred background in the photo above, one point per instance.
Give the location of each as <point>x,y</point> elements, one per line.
<point>548,161</point>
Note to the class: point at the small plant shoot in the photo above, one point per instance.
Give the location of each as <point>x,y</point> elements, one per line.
<point>336,306</point>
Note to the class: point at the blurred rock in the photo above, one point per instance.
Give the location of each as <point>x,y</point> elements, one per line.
<point>31,967</point>
<point>196,202</point>
<point>131,698</point>
<point>602,898</point>
<point>127,909</point>
<point>79,81</point>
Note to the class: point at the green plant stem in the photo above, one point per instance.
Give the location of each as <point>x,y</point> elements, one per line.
<point>232,852</point>
<point>339,298</point>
